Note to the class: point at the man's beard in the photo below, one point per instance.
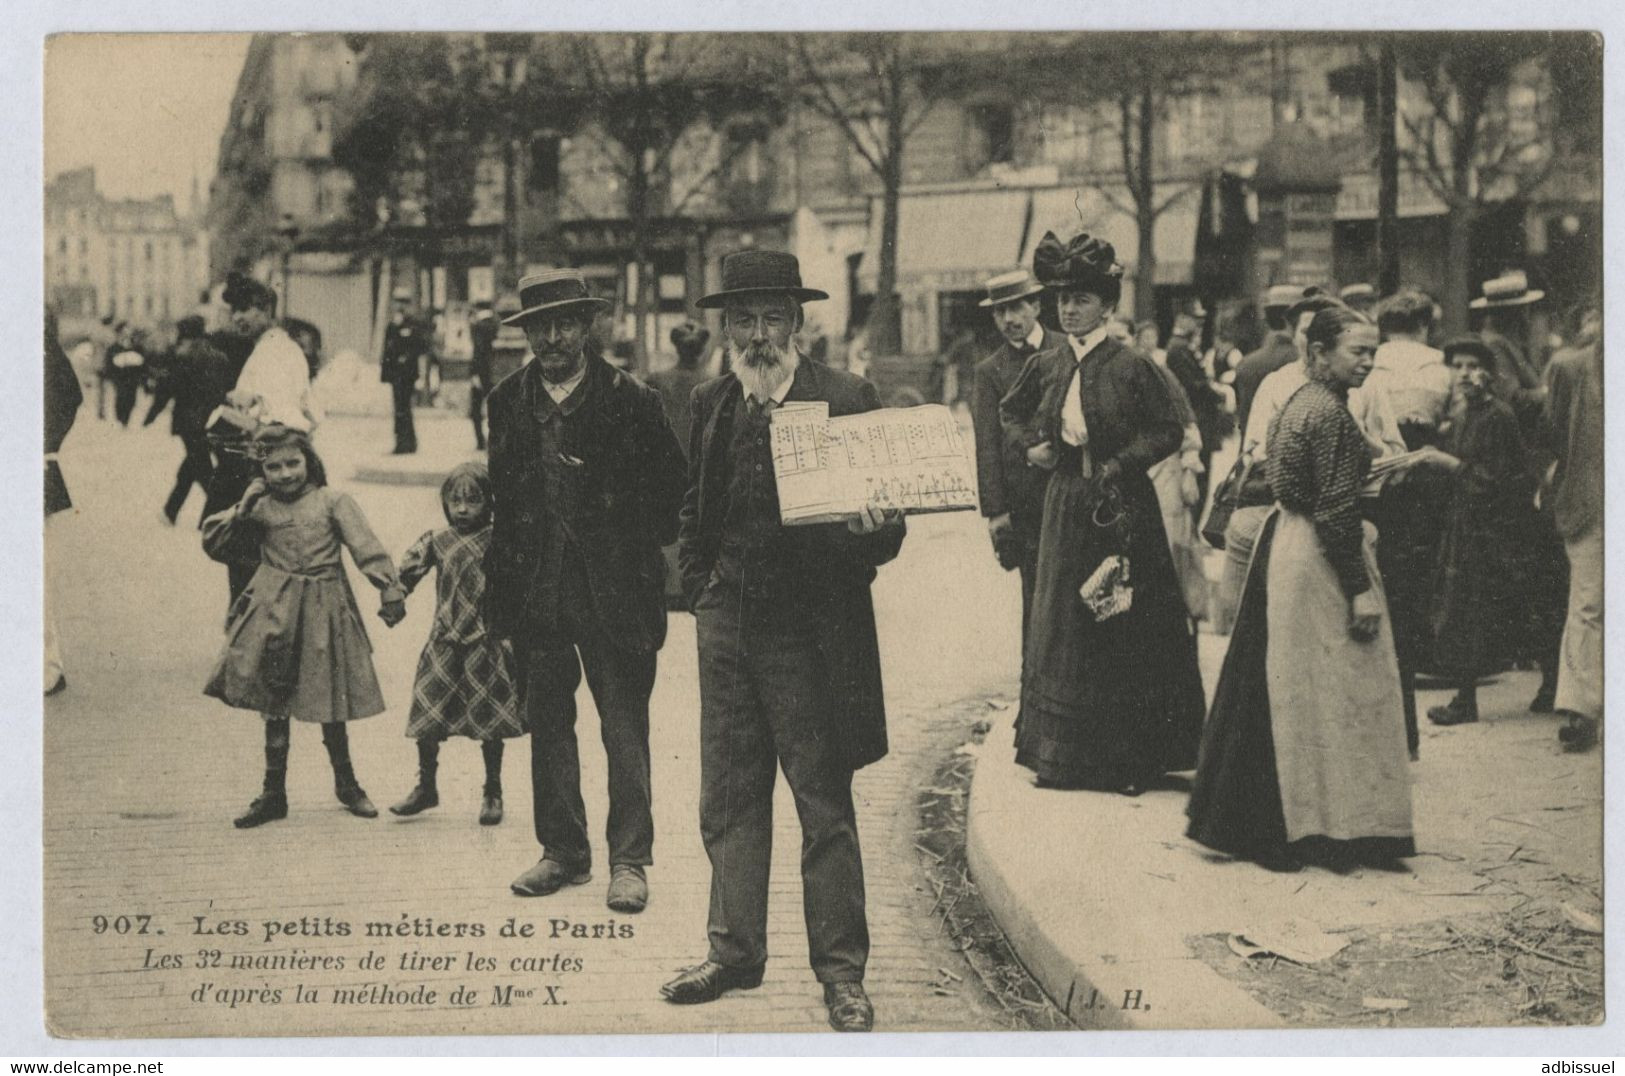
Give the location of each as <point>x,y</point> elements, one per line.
<point>559,365</point>
<point>761,368</point>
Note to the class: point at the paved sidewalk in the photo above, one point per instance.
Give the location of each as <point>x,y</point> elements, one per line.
<point>143,775</point>
<point>1102,895</point>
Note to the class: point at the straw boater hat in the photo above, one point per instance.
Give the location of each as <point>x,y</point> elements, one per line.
<point>1009,287</point>
<point>1353,293</point>
<point>1282,296</point>
<point>1508,289</point>
<point>760,272</point>
<point>555,289</point>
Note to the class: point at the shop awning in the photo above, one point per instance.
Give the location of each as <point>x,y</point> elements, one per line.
<point>951,241</point>
<point>1066,211</point>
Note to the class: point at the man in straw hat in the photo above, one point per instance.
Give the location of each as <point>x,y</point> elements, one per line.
<point>587,477</point>
<point>1012,489</point>
<point>789,661</point>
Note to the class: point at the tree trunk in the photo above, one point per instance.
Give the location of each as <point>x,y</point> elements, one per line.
<point>507,275</point>
<point>1457,267</point>
<point>1145,210</point>
<point>883,315</point>
<point>1387,173</point>
<point>637,204</point>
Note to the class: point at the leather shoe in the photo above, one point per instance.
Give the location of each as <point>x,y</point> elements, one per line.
<point>709,981</point>
<point>849,1007</point>
<point>628,888</point>
<point>420,799</point>
<point>549,876</point>
<point>1453,714</point>
<point>270,807</point>
<point>491,809</point>
<point>355,800</point>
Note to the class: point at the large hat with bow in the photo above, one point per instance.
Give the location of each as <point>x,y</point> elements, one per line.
<point>1082,262</point>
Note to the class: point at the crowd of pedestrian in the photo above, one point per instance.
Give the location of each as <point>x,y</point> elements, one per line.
<point>1396,508</point>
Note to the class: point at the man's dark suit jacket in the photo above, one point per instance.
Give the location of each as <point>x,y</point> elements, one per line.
<point>1004,479</point>
<point>630,479</point>
<point>1276,351</point>
<point>840,565</point>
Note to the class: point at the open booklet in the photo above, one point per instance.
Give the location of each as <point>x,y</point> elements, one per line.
<point>909,458</point>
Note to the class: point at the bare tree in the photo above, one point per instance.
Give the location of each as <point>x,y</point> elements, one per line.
<point>1129,83</point>
<point>1464,139</point>
<point>876,89</point>
<point>644,94</point>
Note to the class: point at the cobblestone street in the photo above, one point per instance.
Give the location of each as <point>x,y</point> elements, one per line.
<point>143,775</point>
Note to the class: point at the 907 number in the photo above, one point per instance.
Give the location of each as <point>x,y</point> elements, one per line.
<point>121,924</point>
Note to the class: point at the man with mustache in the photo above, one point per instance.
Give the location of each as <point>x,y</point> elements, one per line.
<point>789,661</point>
<point>587,477</point>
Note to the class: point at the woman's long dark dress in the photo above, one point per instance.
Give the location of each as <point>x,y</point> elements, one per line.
<point>1479,593</point>
<point>1318,461</point>
<point>1114,703</point>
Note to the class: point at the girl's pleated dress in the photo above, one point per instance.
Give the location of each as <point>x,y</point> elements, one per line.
<point>295,643</point>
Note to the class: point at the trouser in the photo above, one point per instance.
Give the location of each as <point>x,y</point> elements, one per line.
<point>620,681</point>
<point>53,643</point>
<point>195,467</point>
<point>476,414</point>
<point>762,706</point>
<point>406,437</point>
<point>1240,534</point>
<point>125,391</point>
<point>1579,680</point>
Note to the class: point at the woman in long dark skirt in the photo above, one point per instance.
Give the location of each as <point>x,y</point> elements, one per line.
<point>1303,754</point>
<point>1106,704</point>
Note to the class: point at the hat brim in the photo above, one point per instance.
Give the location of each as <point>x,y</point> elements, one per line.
<point>1036,289</point>
<point>528,312</point>
<point>1483,303</point>
<point>718,299</point>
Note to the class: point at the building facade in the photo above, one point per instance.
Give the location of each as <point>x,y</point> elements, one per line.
<point>130,260</point>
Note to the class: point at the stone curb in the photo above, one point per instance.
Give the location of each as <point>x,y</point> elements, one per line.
<point>1146,987</point>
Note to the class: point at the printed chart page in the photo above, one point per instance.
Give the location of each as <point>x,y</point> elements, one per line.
<point>914,459</point>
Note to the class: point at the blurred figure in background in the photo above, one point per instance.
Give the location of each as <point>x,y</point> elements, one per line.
<point>482,331</point>
<point>1476,594</point>
<point>406,342</point>
<point>1414,384</point>
<point>195,381</point>
<point>1205,398</point>
<point>127,366</point>
<point>1359,297</point>
<point>1012,490</point>
<point>1574,416</point>
<point>62,399</point>
<point>1276,351</point>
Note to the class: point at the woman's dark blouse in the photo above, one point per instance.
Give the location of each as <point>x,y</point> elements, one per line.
<point>1318,460</point>
<point>1126,407</point>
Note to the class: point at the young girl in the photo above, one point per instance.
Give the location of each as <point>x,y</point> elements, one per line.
<point>1478,593</point>
<point>464,684</point>
<point>295,644</point>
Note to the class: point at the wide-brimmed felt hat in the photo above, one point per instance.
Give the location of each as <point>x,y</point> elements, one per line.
<point>760,272</point>
<point>1508,289</point>
<point>555,289</point>
<point>1009,287</point>
<point>1472,344</point>
<point>1082,262</point>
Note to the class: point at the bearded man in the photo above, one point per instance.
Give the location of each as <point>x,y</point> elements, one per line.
<point>789,661</point>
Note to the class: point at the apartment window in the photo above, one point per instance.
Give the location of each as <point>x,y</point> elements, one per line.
<point>996,123</point>
<point>1065,133</point>
<point>148,246</point>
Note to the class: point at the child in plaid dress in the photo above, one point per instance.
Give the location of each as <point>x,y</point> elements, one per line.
<point>464,684</point>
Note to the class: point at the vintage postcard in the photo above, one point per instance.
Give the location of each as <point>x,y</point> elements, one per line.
<point>442,636</point>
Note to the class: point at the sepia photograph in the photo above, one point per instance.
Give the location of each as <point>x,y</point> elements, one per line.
<point>674,532</point>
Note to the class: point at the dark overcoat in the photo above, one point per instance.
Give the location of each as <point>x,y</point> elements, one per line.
<point>1004,478</point>
<point>837,589</point>
<point>629,478</point>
